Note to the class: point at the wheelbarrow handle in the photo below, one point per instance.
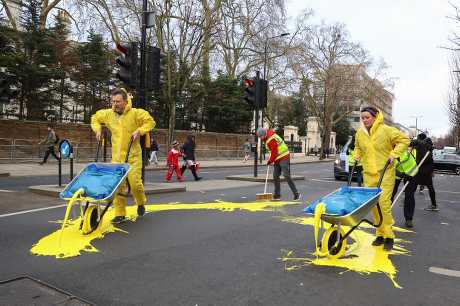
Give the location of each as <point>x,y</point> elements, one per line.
<point>99,143</point>
<point>387,164</point>
<point>129,149</point>
<point>127,153</point>
<point>350,175</point>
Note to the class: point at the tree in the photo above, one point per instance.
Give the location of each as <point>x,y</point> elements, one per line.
<point>66,59</point>
<point>328,66</point>
<point>37,67</point>
<point>9,61</point>
<point>226,111</point>
<point>342,130</point>
<point>93,75</point>
<point>453,98</point>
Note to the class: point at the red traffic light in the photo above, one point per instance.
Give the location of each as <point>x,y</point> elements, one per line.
<point>248,83</point>
<point>122,49</point>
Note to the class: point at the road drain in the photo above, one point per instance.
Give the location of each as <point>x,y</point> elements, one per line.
<point>25,290</point>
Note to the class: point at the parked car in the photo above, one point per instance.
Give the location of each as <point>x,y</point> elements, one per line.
<point>447,162</point>
<point>341,166</point>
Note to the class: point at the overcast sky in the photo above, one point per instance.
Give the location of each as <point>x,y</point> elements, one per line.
<point>407,34</point>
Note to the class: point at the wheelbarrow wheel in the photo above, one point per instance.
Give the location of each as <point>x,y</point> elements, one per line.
<point>328,243</point>
<point>90,219</point>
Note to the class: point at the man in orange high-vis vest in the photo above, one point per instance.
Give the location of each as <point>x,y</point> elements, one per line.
<point>279,157</point>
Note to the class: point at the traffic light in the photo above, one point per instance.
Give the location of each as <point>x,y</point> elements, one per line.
<point>127,62</point>
<point>250,92</point>
<point>261,92</point>
<point>155,68</point>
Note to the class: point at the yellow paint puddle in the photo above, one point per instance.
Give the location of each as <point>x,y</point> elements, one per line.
<point>71,242</point>
<point>360,257</point>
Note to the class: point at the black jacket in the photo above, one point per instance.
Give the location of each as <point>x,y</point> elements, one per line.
<point>426,169</point>
<point>188,149</point>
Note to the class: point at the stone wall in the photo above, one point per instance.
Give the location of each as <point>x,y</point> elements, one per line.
<point>26,135</point>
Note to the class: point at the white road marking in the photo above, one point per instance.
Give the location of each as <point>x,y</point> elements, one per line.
<point>445,191</point>
<point>325,181</point>
<point>442,271</point>
<point>444,223</point>
<point>31,211</point>
<point>4,190</point>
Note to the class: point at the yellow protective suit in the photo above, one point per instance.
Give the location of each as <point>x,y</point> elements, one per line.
<point>373,148</point>
<point>122,127</point>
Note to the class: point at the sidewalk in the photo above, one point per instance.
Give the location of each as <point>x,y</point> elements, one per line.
<point>51,168</point>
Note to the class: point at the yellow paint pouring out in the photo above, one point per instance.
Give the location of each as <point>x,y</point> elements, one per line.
<point>360,257</point>
<point>71,242</point>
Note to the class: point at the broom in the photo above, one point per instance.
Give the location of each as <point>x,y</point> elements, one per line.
<point>265,196</point>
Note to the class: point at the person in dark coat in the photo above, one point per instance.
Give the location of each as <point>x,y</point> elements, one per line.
<point>425,174</point>
<point>50,142</point>
<point>188,151</point>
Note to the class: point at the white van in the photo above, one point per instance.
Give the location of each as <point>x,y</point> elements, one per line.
<point>449,150</point>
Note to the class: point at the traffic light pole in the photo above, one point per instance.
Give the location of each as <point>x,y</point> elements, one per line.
<point>141,90</point>
<point>256,123</point>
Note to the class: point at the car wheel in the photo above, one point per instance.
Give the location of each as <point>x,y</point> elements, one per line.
<point>457,170</point>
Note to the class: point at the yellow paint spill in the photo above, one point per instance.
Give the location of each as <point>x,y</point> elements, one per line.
<point>361,256</point>
<point>73,242</point>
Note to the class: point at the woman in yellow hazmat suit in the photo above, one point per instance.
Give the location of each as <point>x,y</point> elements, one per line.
<point>125,122</point>
<point>375,144</point>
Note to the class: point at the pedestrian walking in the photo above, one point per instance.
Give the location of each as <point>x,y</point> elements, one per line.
<point>50,141</point>
<point>280,158</point>
<point>406,167</point>
<point>425,174</point>
<point>376,144</point>
<point>153,151</point>
<point>172,162</point>
<point>188,150</point>
<point>125,123</point>
<point>246,150</point>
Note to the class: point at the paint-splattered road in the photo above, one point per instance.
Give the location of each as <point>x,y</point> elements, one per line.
<point>194,250</point>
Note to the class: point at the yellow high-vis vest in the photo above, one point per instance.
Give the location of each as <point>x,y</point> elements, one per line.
<point>283,149</point>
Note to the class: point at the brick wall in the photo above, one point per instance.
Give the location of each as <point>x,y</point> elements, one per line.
<point>209,145</point>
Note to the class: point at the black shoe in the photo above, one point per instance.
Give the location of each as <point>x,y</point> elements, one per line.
<point>432,208</point>
<point>41,163</point>
<point>297,196</point>
<point>118,219</point>
<point>198,178</point>
<point>409,224</point>
<point>378,241</point>
<point>140,210</point>
<point>276,199</point>
<point>388,244</point>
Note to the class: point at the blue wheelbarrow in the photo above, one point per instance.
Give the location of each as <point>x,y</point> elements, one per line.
<point>95,188</point>
<point>346,206</point>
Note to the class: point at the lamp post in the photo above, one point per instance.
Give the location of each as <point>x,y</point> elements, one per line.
<point>416,123</point>
<point>265,73</point>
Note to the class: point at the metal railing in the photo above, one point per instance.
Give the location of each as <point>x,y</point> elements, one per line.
<point>27,150</point>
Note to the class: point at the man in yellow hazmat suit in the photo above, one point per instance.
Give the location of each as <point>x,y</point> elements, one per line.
<point>375,144</point>
<point>125,122</point>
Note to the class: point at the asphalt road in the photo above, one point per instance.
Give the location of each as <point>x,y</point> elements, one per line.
<point>210,257</point>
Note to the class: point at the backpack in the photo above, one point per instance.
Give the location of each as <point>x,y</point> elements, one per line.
<point>57,138</point>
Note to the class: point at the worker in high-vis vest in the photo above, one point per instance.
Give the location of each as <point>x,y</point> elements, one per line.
<point>406,169</point>
<point>280,158</point>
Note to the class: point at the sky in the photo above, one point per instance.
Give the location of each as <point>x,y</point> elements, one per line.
<point>408,35</point>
